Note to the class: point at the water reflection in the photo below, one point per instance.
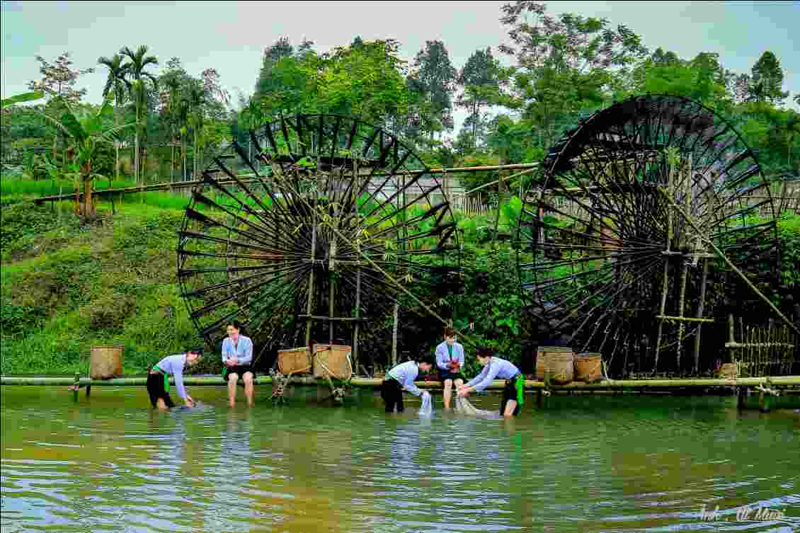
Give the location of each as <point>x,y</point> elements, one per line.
<point>580,464</point>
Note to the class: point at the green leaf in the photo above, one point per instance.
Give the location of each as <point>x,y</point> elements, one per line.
<point>19,98</point>
<point>73,127</point>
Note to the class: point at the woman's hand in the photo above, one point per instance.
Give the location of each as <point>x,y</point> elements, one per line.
<point>232,361</point>
<point>189,401</point>
<point>463,391</point>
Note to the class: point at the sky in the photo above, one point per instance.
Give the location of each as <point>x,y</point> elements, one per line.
<point>231,36</point>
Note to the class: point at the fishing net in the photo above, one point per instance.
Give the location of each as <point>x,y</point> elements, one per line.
<point>427,405</point>
<point>465,408</point>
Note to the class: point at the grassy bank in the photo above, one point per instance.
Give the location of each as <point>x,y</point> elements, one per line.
<point>66,287</point>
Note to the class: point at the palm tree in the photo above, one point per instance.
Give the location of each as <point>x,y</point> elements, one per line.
<point>138,61</point>
<point>173,85</point>
<point>196,99</point>
<point>117,84</point>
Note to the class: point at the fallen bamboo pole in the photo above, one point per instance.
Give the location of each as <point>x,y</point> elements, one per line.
<point>127,190</point>
<point>779,381</point>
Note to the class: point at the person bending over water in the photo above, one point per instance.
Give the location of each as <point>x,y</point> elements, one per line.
<point>237,356</point>
<point>158,378</point>
<point>450,359</point>
<point>495,367</point>
<point>402,378</point>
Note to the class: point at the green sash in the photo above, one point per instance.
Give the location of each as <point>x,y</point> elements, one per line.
<point>166,377</point>
<point>519,383</point>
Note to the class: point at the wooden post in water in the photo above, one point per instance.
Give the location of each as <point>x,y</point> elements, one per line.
<point>394,334</point>
<point>77,385</point>
<point>358,315</point>
<point>311,286</point>
<point>700,309</point>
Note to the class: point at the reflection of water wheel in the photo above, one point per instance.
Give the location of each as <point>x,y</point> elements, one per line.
<point>608,261</point>
<point>308,228</point>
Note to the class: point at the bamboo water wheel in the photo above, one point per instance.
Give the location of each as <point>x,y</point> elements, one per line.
<point>310,233</point>
<point>622,243</point>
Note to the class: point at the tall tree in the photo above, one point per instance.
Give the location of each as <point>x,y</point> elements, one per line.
<point>435,76</point>
<point>480,81</point>
<point>564,62</point>
<point>58,84</point>
<point>767,80</point>
<point>117,85</point>
<point>172,84</point>
<point>272,55</point>
<point>137,63</point>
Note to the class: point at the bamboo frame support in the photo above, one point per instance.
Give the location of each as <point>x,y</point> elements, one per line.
<point>684,318</point>
<point>730,263</point>
<point>606,384</point>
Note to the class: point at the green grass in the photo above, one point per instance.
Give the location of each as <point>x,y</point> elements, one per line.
<point>67,287</point>
<point>9,187</point>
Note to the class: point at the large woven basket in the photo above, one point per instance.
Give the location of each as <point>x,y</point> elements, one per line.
<point>295,360</point>
<point>541,358</point>
<point>588,367</point>
<point>106,362</point>
<point>559,367</point>
<point>729,371</point>
<point>332,360</point>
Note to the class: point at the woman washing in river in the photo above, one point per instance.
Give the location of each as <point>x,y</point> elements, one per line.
<point>495,367</point>
<point>158,378</point>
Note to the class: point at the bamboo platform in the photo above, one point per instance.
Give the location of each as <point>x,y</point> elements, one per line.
<point>605,385</point>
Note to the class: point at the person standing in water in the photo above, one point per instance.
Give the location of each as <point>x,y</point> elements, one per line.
<point>449,360</point>
<point>402,378</point>
<point>158,378</point>
<point>495,367</point>
<point>237,356</point>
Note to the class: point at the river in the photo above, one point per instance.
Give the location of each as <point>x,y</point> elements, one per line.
<point>583,463</point>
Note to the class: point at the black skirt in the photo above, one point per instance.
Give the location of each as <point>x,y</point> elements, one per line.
<point>156,390</point>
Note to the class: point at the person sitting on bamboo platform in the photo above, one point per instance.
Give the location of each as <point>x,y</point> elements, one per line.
<point>450,359</point>
<point>237,356</point>
<point>158,378</point>
<point>402,378</point>
<point>495,367</point>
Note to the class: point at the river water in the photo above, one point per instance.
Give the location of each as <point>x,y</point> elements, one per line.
<point>584,464</point>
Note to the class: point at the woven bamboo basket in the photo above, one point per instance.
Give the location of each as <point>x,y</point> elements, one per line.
<point>295,360</point>
<point>332,360</point>
<point>588,367</point>
<point>559,367</point>
<point>729,371</point>
<point>105,362</point>
<point>541,358</point>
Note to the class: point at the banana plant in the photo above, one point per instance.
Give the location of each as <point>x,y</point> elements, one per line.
<point>87,131</point>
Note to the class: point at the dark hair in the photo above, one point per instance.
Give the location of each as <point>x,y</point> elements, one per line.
<point>235,323</point>
<point>426,359</point>
<point>197,349</point>
<point>484,351</point>
<point>449,332</point>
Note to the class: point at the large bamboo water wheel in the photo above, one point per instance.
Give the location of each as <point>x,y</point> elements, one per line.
<point>623,242</point>
<point>310,232</point>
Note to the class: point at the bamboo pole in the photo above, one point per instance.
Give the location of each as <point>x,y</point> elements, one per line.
<point>606,384</point>
<point>311,285</point>
<point>358,315</point>
<point>730,263</point>
<point>700,309</point>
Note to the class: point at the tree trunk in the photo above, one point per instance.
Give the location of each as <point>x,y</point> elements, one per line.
<point>88,206</point>
<point>172,162</point>
<point>136,148</point>
<point>183,156</point>
<point>194,156</point>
